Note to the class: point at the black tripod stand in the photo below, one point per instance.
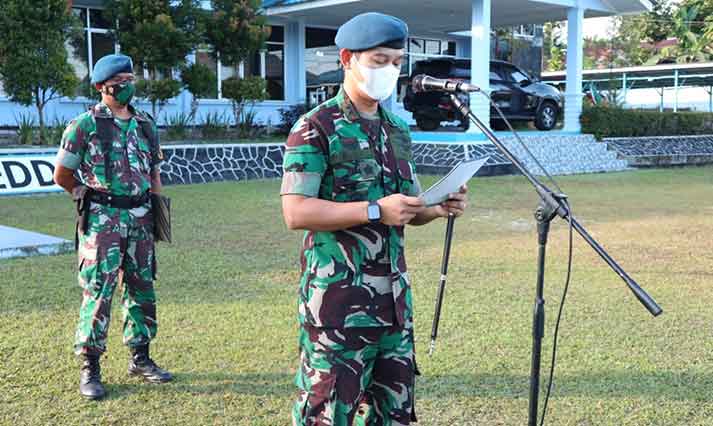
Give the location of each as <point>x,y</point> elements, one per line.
<point>551,205</point>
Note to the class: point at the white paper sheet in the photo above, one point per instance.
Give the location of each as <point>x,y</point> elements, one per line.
<point>451,182</point>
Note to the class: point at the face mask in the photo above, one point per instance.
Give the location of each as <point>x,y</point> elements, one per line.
<point>122,92</point>
<point>379,83</point>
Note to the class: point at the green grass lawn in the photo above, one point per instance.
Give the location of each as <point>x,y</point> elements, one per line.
<point>227,310</point>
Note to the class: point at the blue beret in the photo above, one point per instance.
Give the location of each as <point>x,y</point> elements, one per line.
<point>109,66</point>
<point>370,30</point>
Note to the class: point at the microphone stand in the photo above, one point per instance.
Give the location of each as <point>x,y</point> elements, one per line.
<point>442,286</point>
<point>551,205</point>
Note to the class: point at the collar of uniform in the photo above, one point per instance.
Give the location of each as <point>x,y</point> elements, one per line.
<point>103,111</point>
<point>138,115</point>
<point>350,112</point>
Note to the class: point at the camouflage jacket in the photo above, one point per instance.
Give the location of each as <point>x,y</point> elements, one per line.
<point>131,157</point>
<point>355,277</point>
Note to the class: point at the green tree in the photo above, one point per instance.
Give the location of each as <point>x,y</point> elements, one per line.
<point>704,18</point>
<point>201,82</point>
<point>157,35</point>
<point>691,46</point>
<point>244,93</point>
<point>235,30</point>
<point>33,59</point>
<point>630,43</point>
<point>553,49</point>
<point>657,24</point>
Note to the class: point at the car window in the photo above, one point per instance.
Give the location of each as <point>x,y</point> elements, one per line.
<point>494,75</point>
<point>514,74</point>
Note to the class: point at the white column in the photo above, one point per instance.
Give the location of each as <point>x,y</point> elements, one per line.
<point>480,60</point>
<point>295,74</point>
<point>675,90</point>
<point>624,88</point>
<point>302,70</point>
<point>573,94</point>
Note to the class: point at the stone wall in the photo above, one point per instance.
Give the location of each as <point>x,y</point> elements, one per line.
<point>210,163</point>
<point>663,150</point>
<point>186,164</point>
<point>559,153</point>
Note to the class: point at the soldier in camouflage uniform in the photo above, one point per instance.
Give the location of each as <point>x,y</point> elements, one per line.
<point>350,182</point>
<point>109,160</point>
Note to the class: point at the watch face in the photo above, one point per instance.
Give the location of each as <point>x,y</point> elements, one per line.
<point>374,212</point>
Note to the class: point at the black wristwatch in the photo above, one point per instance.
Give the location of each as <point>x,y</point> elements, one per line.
<point>374,212</point>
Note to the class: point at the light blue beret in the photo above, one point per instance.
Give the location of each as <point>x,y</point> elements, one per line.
<point>109,66</point>
<point>370,30</point>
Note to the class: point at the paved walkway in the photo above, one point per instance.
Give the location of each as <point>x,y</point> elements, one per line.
<point>20,243</point>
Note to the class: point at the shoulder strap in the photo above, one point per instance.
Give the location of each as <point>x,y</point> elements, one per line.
<point>105,133</point>
<point>148,131</point>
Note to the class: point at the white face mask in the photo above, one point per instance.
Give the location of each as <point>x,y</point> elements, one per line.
<point>379,83</point>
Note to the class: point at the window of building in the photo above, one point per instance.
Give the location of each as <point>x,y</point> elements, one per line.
<point>268,63</point>
<point>204,56</point>
<point>97,42</point>
<point>272,61</point>
<point>526,31</point>
<point>322,65</point>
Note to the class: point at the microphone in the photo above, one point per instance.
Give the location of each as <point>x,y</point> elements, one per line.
<point>426,83</point>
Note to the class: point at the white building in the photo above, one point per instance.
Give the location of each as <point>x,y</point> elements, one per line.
<point>300,59</point>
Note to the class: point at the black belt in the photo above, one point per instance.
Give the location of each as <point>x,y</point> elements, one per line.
<point>120,201</point>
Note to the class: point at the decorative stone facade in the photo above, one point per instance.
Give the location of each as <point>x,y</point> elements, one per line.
<point>211,163</point>
<point>560,154</point>
<point>663,150</point>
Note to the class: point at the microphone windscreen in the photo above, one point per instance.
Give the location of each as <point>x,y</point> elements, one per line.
<point>417,83</point>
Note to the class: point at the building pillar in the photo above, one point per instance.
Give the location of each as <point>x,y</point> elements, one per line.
<point>295,72</point>
<point>675,91</point>
<point>480,60</point>
<point>575,54</point>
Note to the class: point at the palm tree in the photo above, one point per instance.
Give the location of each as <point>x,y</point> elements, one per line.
<point>690,46</point>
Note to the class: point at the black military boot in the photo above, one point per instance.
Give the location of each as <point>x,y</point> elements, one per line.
<point>90,378</point>
<point>142,365</point>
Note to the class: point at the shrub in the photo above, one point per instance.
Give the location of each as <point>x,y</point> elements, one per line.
<point>215,125</point>
<point>55,131</point>
<point>290,115</point>
<point>243,94</point>
<point>158,92</point>
<point>246,124</point>
<point>201,81</point>
<point>607,121</point>
<point>177,126</point>
<point>25,129</point>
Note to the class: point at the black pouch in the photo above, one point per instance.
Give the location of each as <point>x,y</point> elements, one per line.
<point>161,208</point>
<point>80,195</point>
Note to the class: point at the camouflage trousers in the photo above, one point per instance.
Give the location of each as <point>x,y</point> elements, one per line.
<point>116,240</point>
<point>355,376</point>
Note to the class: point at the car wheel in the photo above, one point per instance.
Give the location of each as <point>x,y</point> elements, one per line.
<point>546,117</point>
<point>427,124</point>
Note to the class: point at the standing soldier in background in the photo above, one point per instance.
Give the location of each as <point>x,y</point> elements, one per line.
<point>109,161</point>
<point>350,182</point>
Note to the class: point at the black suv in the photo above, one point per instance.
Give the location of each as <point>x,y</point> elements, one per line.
<point>519,96</point>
